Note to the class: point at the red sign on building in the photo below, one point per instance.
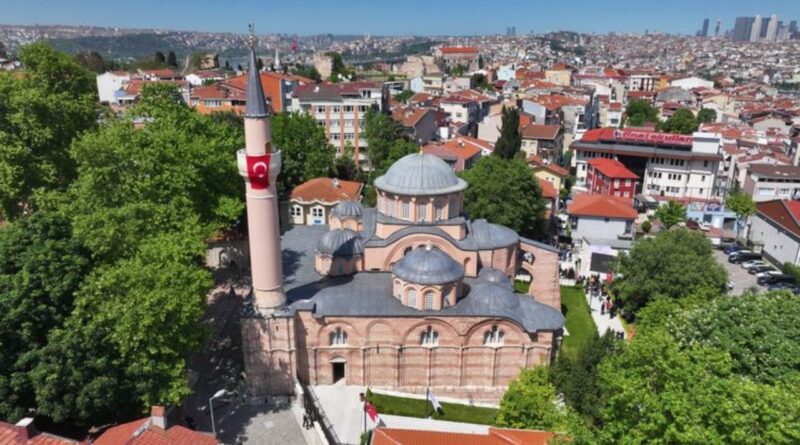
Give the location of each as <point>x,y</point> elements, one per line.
<point>652,138</point>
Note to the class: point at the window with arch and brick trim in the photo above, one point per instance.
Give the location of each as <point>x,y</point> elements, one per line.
<point>428,300</point>
<point>429,337</point>
<point>338,337</point>
<point>493,336</point>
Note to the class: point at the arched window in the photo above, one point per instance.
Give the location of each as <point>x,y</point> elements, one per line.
<point>422,212</point>
<point>493,336</point>
<point>438,207</point>
<point>412,297</point>
<point>429,300</point>
<point>429,337</point>
<point>338,337</point>
<point>392,207</point>
<point>408,250</point>
<point>398,291</point>
<point>453,207</point>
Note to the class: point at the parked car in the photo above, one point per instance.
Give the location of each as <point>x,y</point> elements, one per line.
<point>732,248</point>
<point>781,286</point>
<point>772,278</point>
<point>751,263</point>
<point>759,269</point>
<point>743,256</point>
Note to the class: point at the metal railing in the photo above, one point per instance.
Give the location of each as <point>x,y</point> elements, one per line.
<point>313,408</point>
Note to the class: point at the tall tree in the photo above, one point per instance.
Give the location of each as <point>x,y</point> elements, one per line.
<point>381,131</point>
<point>744,207</point>
<point>638,112</point>
<point>41,267</point>
<point>671,214</point>
<point>344,166</point>
<point>172,59</point>
<point>682,121</point>
<point>3,52</point>
<point>92,61</point>
<point>706,115</point>
<point>530,402</point>
<point>510,140</point>
<point>159,58</point>
<point>674,264</point>
<point>521,207</point>
<point>306,153</point>
<point>40,114</point>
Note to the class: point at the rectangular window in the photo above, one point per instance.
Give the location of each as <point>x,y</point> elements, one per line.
<point>321,110</point>
<point>348,108</point>
<point>422,212</point>
<point>428,300</point>
<point>406,211</point>
<point>336,109</point>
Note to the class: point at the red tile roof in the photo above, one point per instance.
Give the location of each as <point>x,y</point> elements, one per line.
<point>458,50</point>
<point>536,131</point>
<point>612,168</point>
<point>323,190</point>
<point>10,435</point>
<point>496,436</point>
<point>126,434</point>
<point>784,213</point>
<point>602,206</point>
<point>464,147</point>
<point>548,191</point>
<point>538,162</point>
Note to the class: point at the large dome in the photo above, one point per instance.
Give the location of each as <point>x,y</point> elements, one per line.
<point>340,243</point>
<point>428,266</point>
<point>420,174</point>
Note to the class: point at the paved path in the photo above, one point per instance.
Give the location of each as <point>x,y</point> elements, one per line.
<point>603,322</point>
<point>344,409</point>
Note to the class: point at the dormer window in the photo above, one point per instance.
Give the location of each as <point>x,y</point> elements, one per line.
<point>493,337</point>
<point>429,337</point>
<point>338,337</point>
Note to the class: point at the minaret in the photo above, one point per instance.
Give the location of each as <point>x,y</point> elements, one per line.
<point>277,62</point>
<point>259,164</point>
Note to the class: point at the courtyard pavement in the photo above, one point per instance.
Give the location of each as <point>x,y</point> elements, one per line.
<point>603,321</point>
<point>740,278</point>
<point>344,410</point>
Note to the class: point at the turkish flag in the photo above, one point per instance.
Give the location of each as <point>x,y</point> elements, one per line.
<point>258,171</point>
<point>372,412</point>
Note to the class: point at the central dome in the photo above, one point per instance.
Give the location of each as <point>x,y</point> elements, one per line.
<point>420,174</point>
<point>428,266</point>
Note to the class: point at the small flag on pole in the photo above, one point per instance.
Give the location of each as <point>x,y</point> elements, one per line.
<point>434,402</point>
<point>372,412</point>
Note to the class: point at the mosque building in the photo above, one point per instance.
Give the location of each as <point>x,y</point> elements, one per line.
<point>406,296</point>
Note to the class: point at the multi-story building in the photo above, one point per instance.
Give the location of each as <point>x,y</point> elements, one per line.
<point>601,217</point>
<point>765,182</point>
<point>341,109</point>
<point>671,166</point>
<point>776,228</point>
<point>453,56</point>
<point>544,141</point>
<point>610,177</point>
<point>742,29</point>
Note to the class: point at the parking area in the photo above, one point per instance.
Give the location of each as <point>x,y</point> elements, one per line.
<point>741,280</point>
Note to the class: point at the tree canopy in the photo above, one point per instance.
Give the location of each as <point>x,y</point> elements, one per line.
<point>671,214</point>
<point>637,112</point>
<point>682,122</point>
<point>41,113</point>
<point>674,264</point>
<point>706,115</point>
<point>305,152</point>
<point>510,140</point>
<point>521,207</point>
<point>530,402</point>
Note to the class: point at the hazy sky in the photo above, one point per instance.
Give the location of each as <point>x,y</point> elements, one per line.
<point>382,17</point>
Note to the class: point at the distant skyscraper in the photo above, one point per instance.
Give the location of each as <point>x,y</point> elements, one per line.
<point>793,29</point>
<point>742,29</point>
<point>755,32</point>
<point>716,30</point>
<point>704,32</point>
<point>772,28</point>
<point>511,31</point>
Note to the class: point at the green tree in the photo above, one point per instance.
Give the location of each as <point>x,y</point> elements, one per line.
<point>659,393</point>
<point>706,115</point>
<point>339,71</point>
<point>647,226</point>
<point>674,264</point>
<point>530,402</point>
<point>744,207</point>
<point>172,59</point>
<point>760,332</point>
<point>92,61</point>
<point>404,96</point>
<point>510,140</point>
<point>308,71</point>
<point>178,169</point>
<point>41,267</point>
<point>671,214</point>
<point>521,207</point>
<point>381,131</point>
<point>137,323</point>
<point>345,167</point>
<point>3,52</point>
<point>159,58</point>
<point>304,150</point>
<point>638,112</point>
<point>40,114</point>
<point>682,122</point>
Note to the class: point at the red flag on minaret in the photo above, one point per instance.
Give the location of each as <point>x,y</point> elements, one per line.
<point>258,171</point>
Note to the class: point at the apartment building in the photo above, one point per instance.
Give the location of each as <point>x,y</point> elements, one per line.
<point>766,182</point>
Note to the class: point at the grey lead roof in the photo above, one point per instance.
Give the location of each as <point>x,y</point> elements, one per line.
<point>420,174</point>
<point>340,243</point>
<point>369,294</point>
<point>428,266</point>
<point>256,103</point>
<point>492,236</point>
<point>348,209</point>
<point>493,275</point>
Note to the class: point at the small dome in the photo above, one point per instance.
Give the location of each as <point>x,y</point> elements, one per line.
<point>340,243</point>
<point>492,236</point>
<point>420,174</point>
<point>489,298</point>
<point>493,275</point>
<point>428,266</point>
<point>348,209</point>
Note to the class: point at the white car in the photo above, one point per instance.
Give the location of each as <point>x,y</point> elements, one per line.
<point>752,263</point>
<point>769,272</point>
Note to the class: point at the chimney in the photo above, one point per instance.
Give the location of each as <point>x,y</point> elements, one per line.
<point>26,429</point>
<point>158,417</point>
<point>335,183</point>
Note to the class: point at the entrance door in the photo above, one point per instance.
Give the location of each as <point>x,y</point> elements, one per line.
<point>338,371</point>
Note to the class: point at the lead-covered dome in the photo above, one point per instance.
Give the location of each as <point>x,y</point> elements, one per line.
<point>348,209</point>
<point>428,266</point>
<point>493,275</point>
<point>420,174</point>
<point>340,243</point>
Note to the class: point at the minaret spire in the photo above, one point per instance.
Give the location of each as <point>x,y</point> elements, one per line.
<point>259,164</point>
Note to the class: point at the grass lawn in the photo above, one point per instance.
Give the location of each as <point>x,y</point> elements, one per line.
<point>521,287</point>
<point>401,406</point>
<point>579,320</point>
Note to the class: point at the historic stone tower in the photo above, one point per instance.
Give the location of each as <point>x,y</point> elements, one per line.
<point>260,164</point>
